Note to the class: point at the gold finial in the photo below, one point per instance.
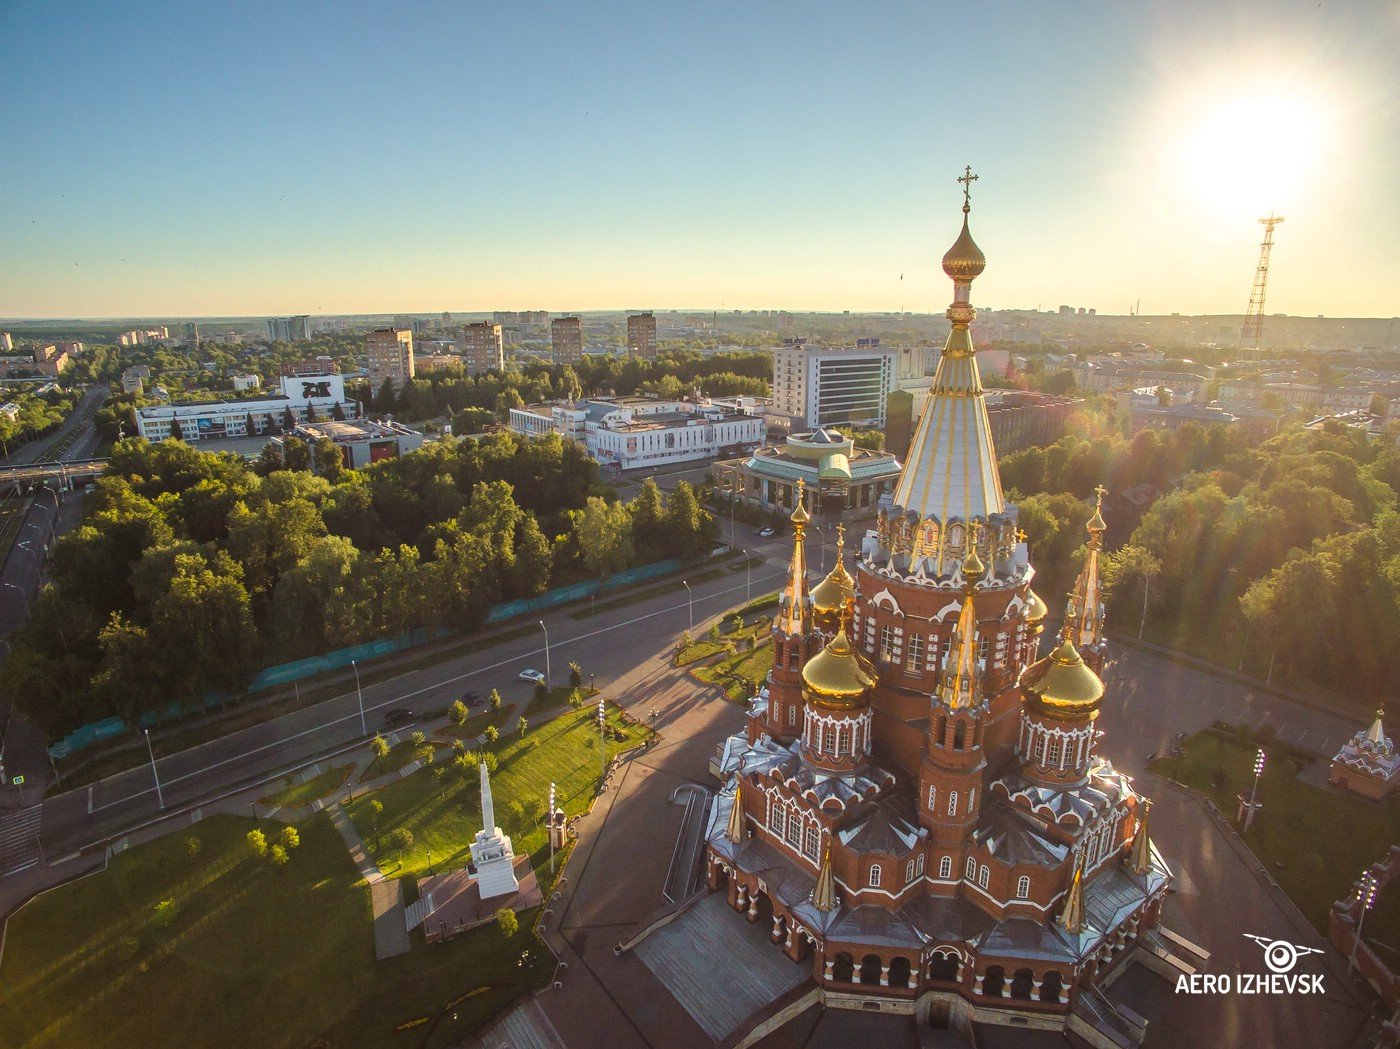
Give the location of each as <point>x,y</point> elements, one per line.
<point>800,516</point>
<point>1020,535</point>
<point>1096,526</point>
<point>840,539</point>
<point>967,178</point>
<point>972,566</point>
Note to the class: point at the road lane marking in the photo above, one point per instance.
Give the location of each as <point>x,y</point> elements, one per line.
<point>355,715</point>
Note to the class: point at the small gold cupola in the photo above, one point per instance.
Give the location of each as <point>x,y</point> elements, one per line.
<point>838,676</point>
<point>838,589</point>
<point>1061,685</point>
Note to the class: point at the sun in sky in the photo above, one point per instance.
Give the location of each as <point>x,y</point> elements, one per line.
<point>1257,150</point>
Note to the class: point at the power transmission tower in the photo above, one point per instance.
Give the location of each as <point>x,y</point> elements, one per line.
<point>1252,331</point>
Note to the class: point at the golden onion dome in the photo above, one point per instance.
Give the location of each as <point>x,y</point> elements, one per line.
<point>1062,685</point>
<point>964,261</point>
<point>837,675</point>
<point>799,515</point>
<point>829,596</point>
<point>1036,609</point>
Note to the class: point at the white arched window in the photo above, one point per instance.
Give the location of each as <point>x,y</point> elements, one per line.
<point>909,871</point>
<point>952,803</point>
<point>971,799</point>
<point>813,842</point>
<point>1054,758</point>
<point>1023,887</point>
<point>932,798</point>
<point>971,868</point>
<point>792,716</point>
<point>874,875</point>
<point>945,867</point>
<point>919,864</point>
<point>982,876</point>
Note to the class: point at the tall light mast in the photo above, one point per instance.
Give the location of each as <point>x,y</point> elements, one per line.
<point>1252,331</point>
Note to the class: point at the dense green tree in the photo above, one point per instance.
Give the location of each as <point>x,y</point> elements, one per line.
<point>604,533</point>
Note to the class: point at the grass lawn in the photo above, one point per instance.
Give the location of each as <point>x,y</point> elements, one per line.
<point>737,672</point>
<point>474,725</point>
<point>319,786</point>
<point>443,812</point>
<point>257,956</point>
<point>1314,842</point>
<point>400,754</point>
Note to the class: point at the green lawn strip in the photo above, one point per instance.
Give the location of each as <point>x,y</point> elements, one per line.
<point>400,754</point>
<point>443,813</point>
<point>318,786</point>
<point>257,955</point>
<point>1314,842</point>
<point>557,697</point>
<point>736,672</point>
<point>473,726</point>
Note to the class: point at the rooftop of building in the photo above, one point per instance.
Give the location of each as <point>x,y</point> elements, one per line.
<point>346,430</point>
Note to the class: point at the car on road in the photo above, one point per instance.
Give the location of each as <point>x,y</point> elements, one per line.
<point>534,677</point>
<point>398,716</point>
<point>766,533</point>
<point>471,698</point>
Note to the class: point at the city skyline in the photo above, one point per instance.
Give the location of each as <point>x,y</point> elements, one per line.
<point>784,158</point>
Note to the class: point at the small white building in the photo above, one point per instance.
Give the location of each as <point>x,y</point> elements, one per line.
<point>362,441</point>
<point>637,432</point>
<point>301,397</point>
<point>246,383</point>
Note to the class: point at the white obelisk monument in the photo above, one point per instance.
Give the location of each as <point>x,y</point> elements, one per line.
<point>491,852</point>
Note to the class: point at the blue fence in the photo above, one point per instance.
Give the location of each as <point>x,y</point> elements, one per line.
<point>286,673</point>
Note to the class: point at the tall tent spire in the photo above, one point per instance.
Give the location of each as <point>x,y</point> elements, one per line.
<point>794,603</point>
<point>824,895</point>
<point>1072,917</point>
<point>1376,733</point>
<point>961,675</point>
<point>1141,858</point>
<point>735,830</point>
<point>951,470</point>
<point>1087,598</point>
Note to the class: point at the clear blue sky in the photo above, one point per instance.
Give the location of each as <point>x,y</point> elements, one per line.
<point>255,158</point>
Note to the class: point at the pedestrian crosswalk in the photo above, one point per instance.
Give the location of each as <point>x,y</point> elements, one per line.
<point>19,840</point>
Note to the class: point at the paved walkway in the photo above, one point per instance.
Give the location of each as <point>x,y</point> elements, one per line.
<point>390,926</point>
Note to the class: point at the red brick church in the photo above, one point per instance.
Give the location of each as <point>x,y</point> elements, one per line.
<point>918,805</point>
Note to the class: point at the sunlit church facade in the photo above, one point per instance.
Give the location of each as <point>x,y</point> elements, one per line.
<point>918,806</point>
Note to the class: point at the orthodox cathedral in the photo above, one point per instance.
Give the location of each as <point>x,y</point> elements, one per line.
<point>918,805</point>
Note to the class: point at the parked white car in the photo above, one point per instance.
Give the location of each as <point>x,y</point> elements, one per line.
<point>534,677</point>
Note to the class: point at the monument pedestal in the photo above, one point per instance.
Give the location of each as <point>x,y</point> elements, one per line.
<point>491,852</point>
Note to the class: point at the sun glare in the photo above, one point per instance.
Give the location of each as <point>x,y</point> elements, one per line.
<point>1255,152</point>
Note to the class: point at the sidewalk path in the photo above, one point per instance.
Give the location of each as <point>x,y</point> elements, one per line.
<point>390,927</point>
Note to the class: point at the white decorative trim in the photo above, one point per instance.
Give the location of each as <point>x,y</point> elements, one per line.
<point>889,597</point>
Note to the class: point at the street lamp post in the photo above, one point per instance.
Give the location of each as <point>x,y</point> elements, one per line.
<point>20,591</point>
<point>548,675</point>
<point>1252,805</point>
<point>689,598</point>
<point>822,555</point>
<point>160,797</point>
<point>360,696</point>
<point>551,829</point>
<point>748,576</point>
<point>1366,896</point>
<point>602,744</point>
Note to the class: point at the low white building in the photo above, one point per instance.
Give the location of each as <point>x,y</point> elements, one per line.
<point>302,397</point>
<point>360,442</point>
<point>637,432</point>
<point>246,383</point>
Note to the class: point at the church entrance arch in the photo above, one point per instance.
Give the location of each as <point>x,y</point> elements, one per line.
<point>843,970</point>
<point>899,972</point>
<point>870,967</point>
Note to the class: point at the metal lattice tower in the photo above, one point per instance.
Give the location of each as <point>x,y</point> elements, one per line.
<point>1252,331</point>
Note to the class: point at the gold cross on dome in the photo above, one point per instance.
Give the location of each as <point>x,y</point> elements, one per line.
<point>967,178</point>
<point>1100,491</point>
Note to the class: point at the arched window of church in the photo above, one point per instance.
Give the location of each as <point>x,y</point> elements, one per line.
<point>874,875</point>
<point>1039,746</point>
<point>775,816</point>
<point>945,867</point>
<point>919,864</point>
<point>843,740</point>
<point>952,803</point>
<point>971,868</point>
<point>794,829</point>
<point>1023,888</point>
<point>983,875</point>
<point>887,643</point>
<point>932,798</point>
<point>813,843</point>
<point>792,715</point>
<point>1054,757</point>
<point>971,799</point>
<point>909,871</point>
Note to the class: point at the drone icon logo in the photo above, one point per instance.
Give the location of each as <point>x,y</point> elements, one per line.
<point>1280,955</point>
